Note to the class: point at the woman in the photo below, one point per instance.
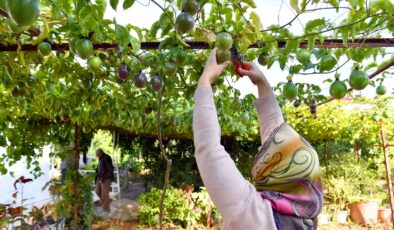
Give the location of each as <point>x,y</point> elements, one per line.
<point>287,193</point>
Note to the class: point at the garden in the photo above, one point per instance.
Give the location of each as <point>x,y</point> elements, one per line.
<point>78,75</point>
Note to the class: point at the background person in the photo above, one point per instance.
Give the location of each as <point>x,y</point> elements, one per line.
<point>104,178</point>
<point>287,193</point>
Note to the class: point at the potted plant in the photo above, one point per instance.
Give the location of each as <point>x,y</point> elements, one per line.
<point>384,215</point>
<point>364,210</point>
<point>384,212</point>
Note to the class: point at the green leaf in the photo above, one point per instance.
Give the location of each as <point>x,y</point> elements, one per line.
<point>311,42</point>
<point>345,36</point>
<point>114,4</point>
<point>122,35</point>
<point>282,61</point>
<point>291,45</point>
<point>135,43</point>
<point>127,4</point>
<point>250,3</point>
<point>294,5</point>
<point>311,25</point>
<point>271,61</point>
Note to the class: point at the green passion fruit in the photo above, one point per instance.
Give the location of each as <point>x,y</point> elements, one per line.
<point>44,48</point>
<point>327,63</point>
<point>303,56</point>
<point>263,59</point>
<point>84,48</point>
<point>23,12</point>
<point>95,63</point>
<point>180,57</point>
<point>381,90</point>
<point>222,56</point>
<point>3,4</point>
<point>358,79</point>
<point>190,6</point>
<point>290,91</point>
<point>224,41</point>
<point>338,89</point>
<point>170,68</point>
<point>184,23</point>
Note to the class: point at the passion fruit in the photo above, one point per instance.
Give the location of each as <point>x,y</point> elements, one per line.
<point>123,72</point>
<point>290,91</point>
<point>224,41</point>
<point>184,23</point>
<point>157,83</point>
<point>263,59</point>
<point>338,89</point>
<point>190,6</point>
<point>358,79</point>
<point>297,103</point>
<point>3,5</point>
<point>140,80</point>
<point>303,56</point>
<point>327,63</point>
<point>84,48</point>
<point>170,68</point>
<point>23,12</point>
<point>44,48</point>
<point>222,56</point>
<point>95,63</point>
<point>180,57</point>
<point>381,90</point>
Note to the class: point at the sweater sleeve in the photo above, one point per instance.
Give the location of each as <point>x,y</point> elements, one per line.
<point>270,115</point>
<point>229,190</point>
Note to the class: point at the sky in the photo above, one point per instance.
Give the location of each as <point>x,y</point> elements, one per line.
<point>270,12</point>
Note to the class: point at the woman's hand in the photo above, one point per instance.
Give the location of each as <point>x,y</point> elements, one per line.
<point>254,73</point>
<point>257,77</point>
<point>212,70</point>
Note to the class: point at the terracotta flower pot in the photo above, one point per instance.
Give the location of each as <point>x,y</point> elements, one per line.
<point>384,215</point>
<point>364,212</point>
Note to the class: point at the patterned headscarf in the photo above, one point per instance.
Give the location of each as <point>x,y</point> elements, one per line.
<point>287,173</point>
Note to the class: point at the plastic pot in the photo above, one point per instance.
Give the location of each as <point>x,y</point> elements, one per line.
<point>364,212</point>
<point>384,215</point>
<point>323,219</point>
<point>341,217</point>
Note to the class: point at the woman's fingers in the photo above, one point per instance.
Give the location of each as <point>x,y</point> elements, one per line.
<point>243,72</point>
<point>224,65</point>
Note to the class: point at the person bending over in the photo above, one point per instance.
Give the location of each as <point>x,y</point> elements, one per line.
<point>287,192</point>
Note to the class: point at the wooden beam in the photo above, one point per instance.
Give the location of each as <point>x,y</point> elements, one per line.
<point>328,43</point>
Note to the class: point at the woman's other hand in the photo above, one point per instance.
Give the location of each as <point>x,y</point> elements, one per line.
<point>257,77</point>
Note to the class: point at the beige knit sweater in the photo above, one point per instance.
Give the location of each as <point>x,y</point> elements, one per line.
<point>236,198</point>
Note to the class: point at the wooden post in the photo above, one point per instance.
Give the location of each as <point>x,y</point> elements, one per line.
<point>75,169</point>
<point>388,170</point>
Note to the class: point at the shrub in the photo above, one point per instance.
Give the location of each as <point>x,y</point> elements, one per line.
<point>180,208</point>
